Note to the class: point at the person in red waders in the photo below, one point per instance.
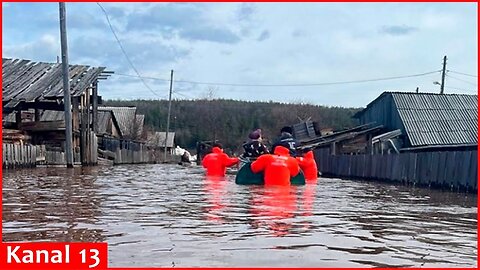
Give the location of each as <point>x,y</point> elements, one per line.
<point>217,162</point>
<point>278,167</point>
<point>309,166</point>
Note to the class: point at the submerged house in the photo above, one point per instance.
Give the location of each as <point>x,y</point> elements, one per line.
<point>127,141</point>
<point>130,123</point>
<point>417,138</point>
<point>423,121</point>
<point>158,140</point>
<point>33,90</point>
<point>108,125</point>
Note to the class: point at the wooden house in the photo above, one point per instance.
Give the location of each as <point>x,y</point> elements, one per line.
<point>36,88</point>
<point>425,121</point>
<point>158,140</point>
<point>131,124</point>
<point>422,139</point>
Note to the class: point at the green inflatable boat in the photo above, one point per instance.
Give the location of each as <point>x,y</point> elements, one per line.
<point>245,176</point>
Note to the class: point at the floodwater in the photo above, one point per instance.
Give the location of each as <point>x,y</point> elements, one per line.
<point>173,216</point>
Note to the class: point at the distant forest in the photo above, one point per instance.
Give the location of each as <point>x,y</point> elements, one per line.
<point>230,121</point>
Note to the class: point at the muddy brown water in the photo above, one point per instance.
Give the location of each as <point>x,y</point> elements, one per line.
<point>172,216</point>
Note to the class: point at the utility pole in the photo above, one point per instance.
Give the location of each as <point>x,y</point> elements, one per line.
<point>442,86</point>
<point>168,117</point>
<point>66,88</point>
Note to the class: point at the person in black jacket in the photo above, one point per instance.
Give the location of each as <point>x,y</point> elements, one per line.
<point>287,140</point>
<point>254,148</point>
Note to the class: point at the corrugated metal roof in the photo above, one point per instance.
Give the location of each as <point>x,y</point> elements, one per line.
<point>25,80</point>
<point>158,139</point>
<point>126,117</point>
<point>435,119</point>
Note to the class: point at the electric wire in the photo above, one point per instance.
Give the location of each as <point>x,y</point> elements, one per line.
<point>461,73</point>
<point>291,85</point>
<point>123,50</point>
<point>458,79</point>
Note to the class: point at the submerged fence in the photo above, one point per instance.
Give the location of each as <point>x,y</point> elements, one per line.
<point>16,155</point>
<point>119,151</point>
<point>25,156</point>
<point>124,151</point>
<point>450,169</point>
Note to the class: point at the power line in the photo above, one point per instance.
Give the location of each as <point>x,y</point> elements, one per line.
<point>458,79</point>
<point>461,73</point>
<point>123,50</point>
<point>312,84</point>
<point>144,77</point>
<point>293,85</point>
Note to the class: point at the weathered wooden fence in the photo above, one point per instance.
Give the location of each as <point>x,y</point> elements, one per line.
<point>451,169</point>
<point>21,156</point>
<point>18,156</point>
<point>126,152</point>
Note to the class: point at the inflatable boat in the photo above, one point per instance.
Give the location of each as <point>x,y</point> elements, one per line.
<point>245,176</point>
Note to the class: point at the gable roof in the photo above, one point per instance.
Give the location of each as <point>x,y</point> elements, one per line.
<point>104,117</point>
<point>158,139</point>
<point>125,116</point>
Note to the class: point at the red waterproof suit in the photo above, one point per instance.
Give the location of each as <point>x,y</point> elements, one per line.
<point>217,162</point>
<point>278,167</point>
<point>308,165</point>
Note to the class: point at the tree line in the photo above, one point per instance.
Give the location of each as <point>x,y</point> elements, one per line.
<point>230,121</point>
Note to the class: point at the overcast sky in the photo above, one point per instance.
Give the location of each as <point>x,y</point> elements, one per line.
<point>257,44</point>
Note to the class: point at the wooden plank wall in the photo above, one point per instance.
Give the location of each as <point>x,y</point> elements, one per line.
<point>93,149</point>
<point>27,156</point>
<point>128,152</point>
<point>447,169</point>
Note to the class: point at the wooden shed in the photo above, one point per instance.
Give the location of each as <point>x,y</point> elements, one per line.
<point>37,88</point>
<point>426,120</point>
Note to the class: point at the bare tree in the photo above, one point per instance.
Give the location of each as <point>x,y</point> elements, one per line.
<point>210,93</point>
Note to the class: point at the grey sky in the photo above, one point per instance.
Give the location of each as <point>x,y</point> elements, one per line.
<point>257,43</point>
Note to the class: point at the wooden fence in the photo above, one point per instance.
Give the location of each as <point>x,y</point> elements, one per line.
<point>127,152</point>
<point>24,156</point>
<point>450,169</point>
<point>18,156</point>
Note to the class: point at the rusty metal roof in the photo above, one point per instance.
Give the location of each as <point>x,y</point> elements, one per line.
<point>25,80</point>
<point>435,119</point>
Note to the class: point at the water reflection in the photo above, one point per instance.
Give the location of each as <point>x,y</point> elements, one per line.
<point>49,204</point>
<point>273,208</point>
<point>163,216</point>
<point>215,188</point>
<point>309,197</point>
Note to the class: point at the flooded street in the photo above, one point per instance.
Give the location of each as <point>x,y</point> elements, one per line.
<point>172,216</point>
